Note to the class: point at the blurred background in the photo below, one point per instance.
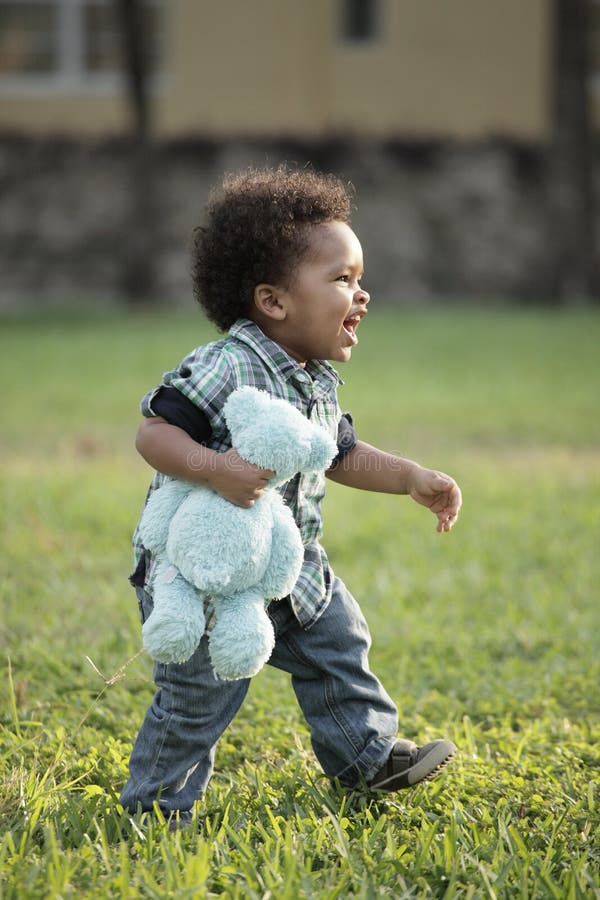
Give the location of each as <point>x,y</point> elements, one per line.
<point>468,128</point>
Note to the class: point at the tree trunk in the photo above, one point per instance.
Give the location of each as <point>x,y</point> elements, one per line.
<point>571,240</point>
<point>138,274</point>
<point>134,64</point>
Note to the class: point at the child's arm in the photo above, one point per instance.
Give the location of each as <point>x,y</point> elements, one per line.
<point>171,450</point>
<point>370,469</point>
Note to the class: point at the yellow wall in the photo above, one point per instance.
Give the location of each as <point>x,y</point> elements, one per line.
<point>460,67</point>
<point>245,67</point>
<point>74,114</point>
<point>463,68</point>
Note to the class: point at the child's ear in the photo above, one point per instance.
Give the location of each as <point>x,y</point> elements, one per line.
<point>267,299</point>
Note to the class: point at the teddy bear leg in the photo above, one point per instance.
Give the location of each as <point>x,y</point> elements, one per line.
<point>242,638</point>
<point>176,624</point>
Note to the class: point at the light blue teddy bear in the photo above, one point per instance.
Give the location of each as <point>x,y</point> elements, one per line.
<point>239,558</point>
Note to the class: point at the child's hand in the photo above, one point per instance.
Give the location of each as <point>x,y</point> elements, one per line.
<point>237,480</point>
<point>439,493</point>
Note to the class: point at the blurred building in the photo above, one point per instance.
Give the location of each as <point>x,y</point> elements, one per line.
<point>442,113</point>
<point>308,68</point>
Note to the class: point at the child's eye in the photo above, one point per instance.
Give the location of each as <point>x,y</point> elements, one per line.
<point>344,278</point>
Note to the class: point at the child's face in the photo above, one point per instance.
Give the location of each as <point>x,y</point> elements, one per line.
<point>325,303</point>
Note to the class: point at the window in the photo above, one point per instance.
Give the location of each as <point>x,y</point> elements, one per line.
<point>62,44</point>
<point>359,21</point>
<point>28,38</point>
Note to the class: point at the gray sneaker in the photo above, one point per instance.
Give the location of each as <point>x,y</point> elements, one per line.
<point>408,764</point>
<point>180,820</point>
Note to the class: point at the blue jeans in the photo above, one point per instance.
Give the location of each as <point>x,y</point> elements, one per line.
<point>353,722</point>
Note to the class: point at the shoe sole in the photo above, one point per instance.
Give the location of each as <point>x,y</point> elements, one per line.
<point>429,767</point>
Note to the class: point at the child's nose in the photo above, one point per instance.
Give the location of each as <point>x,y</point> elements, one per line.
<point>361,296</point>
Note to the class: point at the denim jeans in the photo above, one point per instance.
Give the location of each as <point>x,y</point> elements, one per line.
<point>353,722</point>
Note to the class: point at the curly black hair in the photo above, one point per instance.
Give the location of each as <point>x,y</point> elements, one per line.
<point>256,232</point>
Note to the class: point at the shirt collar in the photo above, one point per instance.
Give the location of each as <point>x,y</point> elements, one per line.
<point>280,362</point>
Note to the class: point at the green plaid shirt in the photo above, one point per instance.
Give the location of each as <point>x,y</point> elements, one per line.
<point>247,357</point>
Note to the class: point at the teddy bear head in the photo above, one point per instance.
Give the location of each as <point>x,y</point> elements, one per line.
<point>273,434</point>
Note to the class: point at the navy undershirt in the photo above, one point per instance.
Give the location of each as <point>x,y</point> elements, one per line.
<point>173,406</point>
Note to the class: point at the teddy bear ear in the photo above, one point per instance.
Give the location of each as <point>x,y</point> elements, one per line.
<point>323,450</point>
<point>243,406</point>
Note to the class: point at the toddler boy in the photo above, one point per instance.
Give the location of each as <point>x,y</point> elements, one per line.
<point>278,268</point>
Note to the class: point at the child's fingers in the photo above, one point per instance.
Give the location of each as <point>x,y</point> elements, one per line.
<point>263,474</point>
<point>446,520</point>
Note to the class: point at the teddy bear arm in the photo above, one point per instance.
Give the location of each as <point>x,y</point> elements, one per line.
<point>159,511</point>
<point>287,552</point>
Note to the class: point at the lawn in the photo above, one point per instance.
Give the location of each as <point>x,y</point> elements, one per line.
<point>488,635</point>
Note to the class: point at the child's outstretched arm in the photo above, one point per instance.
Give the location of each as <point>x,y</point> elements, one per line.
<point>171,450</point>
<point>370,469</point>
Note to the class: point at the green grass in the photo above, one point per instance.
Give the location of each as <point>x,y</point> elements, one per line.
<point>488,635</point>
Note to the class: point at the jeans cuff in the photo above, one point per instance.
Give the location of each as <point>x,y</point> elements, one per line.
<point>368,763</point>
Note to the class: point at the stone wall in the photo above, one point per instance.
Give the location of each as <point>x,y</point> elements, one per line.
<point>435,220</point>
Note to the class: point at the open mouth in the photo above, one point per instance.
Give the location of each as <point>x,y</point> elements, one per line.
<point>350,326</point>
